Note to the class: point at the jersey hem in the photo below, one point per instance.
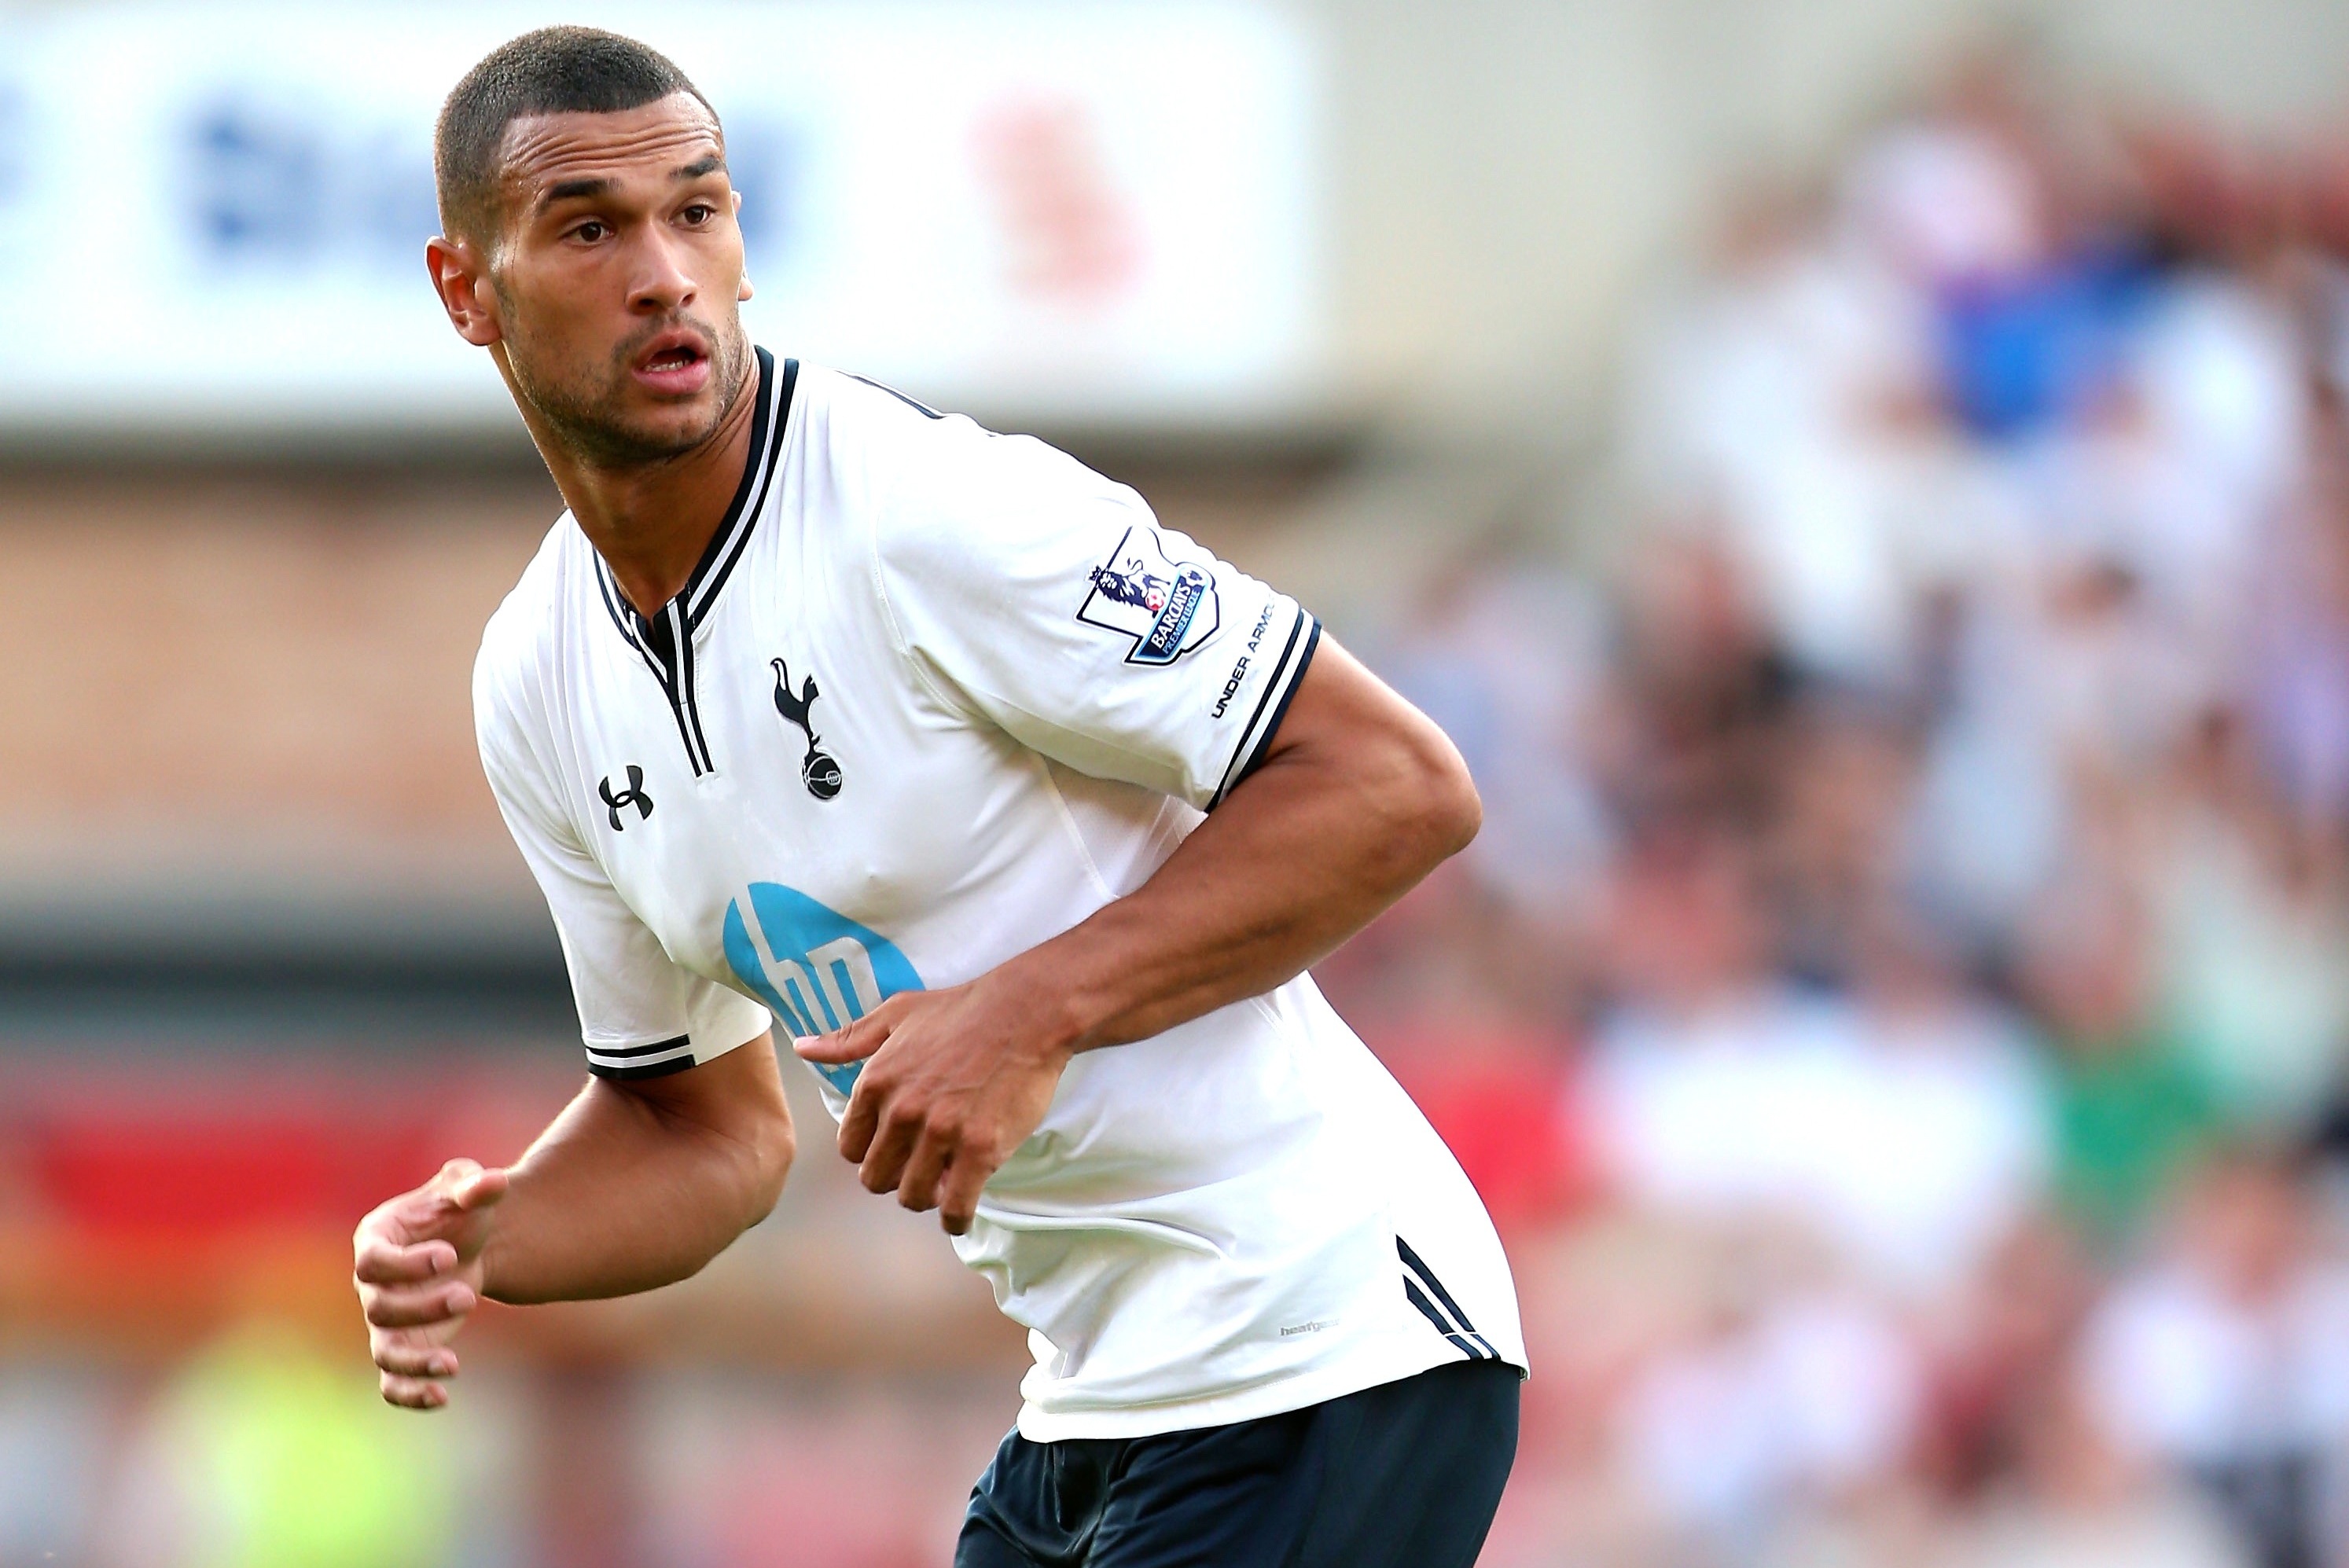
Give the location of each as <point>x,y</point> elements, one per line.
<point>1317,1385</point>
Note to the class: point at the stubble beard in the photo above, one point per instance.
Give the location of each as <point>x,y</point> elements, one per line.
<point>583,409</point>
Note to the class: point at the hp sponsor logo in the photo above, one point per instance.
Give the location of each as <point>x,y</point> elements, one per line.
<point>816,969</point>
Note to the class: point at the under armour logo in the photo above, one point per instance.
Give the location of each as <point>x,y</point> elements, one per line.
<point>633,795</point>
<point>818,772</point>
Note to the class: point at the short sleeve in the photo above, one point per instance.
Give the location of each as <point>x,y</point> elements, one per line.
<point>641,1015</point>
<point>1031,591</point>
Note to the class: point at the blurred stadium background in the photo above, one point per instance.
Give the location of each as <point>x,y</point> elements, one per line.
<point>1866,484</point>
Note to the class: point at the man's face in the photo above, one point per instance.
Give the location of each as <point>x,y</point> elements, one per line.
<point>617,270</point>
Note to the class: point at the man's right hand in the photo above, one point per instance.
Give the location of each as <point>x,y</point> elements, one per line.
<point>417,1261</point>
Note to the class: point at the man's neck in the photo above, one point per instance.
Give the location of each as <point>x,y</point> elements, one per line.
<point>652,521</point>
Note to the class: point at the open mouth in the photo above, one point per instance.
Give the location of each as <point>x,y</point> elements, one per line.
<point>677,357</point>
<point>674,362</point>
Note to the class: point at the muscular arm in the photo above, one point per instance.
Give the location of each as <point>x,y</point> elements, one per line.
<point>634,1185</point>
<point>1358,797</point>
<point>638,1185</point>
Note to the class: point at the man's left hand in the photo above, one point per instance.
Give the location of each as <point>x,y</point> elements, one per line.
<point>953,1081</point>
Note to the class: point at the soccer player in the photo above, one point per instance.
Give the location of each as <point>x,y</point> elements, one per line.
<point>1020,815</point>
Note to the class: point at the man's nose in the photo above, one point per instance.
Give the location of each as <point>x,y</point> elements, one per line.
<point>661,284</point>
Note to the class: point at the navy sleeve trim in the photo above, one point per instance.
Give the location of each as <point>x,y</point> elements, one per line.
<point>652,1060</point>
<point>647,1070</point>
<point>1256,741</point>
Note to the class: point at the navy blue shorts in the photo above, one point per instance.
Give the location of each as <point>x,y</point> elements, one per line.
<point>1404,1475</point>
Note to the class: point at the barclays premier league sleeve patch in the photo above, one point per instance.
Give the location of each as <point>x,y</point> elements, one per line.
<point>1167,607</point>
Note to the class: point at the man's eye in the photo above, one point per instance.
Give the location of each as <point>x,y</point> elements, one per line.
<point>700,212</point>
<point>590,231</point>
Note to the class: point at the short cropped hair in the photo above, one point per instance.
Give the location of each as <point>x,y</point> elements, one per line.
<point>554,70</point>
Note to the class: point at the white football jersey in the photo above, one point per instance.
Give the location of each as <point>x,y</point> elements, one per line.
<point>933,697</point>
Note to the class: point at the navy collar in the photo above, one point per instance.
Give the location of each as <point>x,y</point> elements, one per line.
<point>664,639</point>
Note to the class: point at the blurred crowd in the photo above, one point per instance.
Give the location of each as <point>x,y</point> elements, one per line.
<point>1899,1007</point>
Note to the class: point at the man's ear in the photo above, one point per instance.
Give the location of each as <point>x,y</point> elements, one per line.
<point>743,292</point>
<point>460,280</point>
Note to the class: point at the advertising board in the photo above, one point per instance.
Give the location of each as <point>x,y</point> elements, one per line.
<point>213,217</point>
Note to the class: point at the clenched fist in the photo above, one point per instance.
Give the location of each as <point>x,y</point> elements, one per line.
<point>417,1263</point>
